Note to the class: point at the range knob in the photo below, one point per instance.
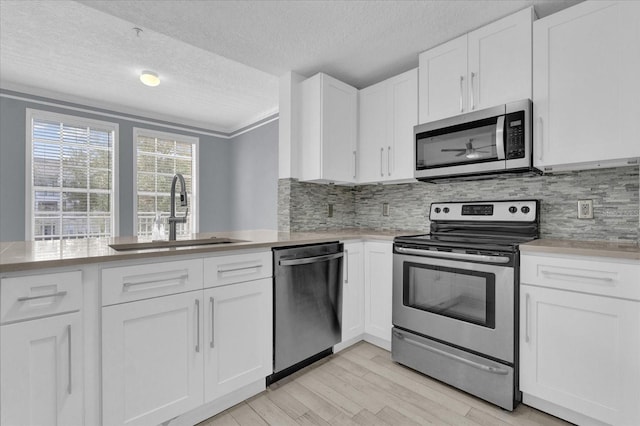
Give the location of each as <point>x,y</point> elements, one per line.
<point>525,209</point>
<point>513,209</point>
<point>437,209</point>
<point>446,210</point>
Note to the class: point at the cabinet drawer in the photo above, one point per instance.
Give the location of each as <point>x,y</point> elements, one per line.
<point>586,275</point>
<point>36,296</point>
<point>129,283</point>
<point>236,268</point>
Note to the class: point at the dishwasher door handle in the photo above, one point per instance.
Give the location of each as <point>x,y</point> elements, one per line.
<point>308,260</point>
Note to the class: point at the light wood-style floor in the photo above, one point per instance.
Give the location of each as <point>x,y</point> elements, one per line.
<point>362,386</point>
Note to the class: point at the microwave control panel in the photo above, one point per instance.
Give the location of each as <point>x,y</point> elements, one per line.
<point>514,141</point>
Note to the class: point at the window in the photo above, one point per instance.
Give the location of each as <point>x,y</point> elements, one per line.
<point>71,190</point>
<point>158,157</point>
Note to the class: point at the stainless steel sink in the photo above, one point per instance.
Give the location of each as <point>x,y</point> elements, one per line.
<point>177,243</point>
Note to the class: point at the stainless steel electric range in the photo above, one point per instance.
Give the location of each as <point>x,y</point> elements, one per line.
<point>455,293</point>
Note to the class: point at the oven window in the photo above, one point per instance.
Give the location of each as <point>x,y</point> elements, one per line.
<point>456,293</point>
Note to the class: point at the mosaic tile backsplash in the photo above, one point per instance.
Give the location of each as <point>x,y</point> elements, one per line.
<point>615,194</point>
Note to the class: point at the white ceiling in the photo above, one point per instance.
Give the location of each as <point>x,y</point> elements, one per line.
<point>219,61</point>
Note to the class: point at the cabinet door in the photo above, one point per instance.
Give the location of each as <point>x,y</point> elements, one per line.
<point>339,130</point>
<point>238,336</point>
<point>373,133</point>
<point>443,80</point>
<point>500,61</point>
<point>42,371</point>
<point>585,100</point>
<point>401,117</point>
<point>152,359</point>
<point>581,352</point>
<point>353,291</point>
<point>378,284</point>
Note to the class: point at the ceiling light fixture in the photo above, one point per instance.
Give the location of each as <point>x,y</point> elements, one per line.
<point>149,78</point>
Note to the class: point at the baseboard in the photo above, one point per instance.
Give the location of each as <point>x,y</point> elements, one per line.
<point>561,412</point>
<point>344,345</point>
<point>374,340</point>
<point>212,408</point>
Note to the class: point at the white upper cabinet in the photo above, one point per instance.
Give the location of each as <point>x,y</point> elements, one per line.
<point>329,118</point>
<point>388,111</point>
<point>487,67</point>
<point>500,61</point>
<point>586,86</point>
<point>443,80</point>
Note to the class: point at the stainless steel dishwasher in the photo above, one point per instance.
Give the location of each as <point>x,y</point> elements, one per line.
<point>307,302</point>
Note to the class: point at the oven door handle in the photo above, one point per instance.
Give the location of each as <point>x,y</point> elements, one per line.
<point>455,256</point>
<point>487,368</point>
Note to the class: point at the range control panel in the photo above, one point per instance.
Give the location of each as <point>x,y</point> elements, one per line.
<point>503,211</point>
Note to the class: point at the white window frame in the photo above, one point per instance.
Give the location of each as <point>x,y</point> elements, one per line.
<point>72,120</point>
<point>195,182</point>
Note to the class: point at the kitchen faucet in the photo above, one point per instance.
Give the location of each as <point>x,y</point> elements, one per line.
<point>183,202</point>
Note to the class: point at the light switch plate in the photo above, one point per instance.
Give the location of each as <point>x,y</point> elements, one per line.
<point>585,209</point>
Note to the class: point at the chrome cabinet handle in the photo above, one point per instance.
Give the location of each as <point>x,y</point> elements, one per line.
<point>584,277</point>
<point>473,102</point>
<point>355,164</point>
<point>500,138</point>
<point>389,161</point>
<point>381,160</point>
<point>346,266</point>
<point>197,325</point>
<point>487,368</point>
<point>540,138</point>
<point>70,365</point>
<point>461,105</point>
<point>526,318</point>
<point>27,298</point>
<point>241,268</point>
<point>128,284</point>
<point>212,303</point>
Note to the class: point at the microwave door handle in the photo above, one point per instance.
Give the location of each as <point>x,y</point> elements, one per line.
<point>500,138</point>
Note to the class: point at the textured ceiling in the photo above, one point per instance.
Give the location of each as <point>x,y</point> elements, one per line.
<point>220,60</point>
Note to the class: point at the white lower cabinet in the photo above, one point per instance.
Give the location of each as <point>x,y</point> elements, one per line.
<point>238,336</point>
<point>579,352</point>
<point>378,268</point>
<point>42,371</point>
<point>353,291</point>
<point>152,359</point>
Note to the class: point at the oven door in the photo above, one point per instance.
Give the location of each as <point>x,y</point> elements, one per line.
<point>466,304</point>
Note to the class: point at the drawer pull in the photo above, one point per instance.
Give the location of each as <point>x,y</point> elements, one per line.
<point>483,367</point>
<point>27,298</point>
<point>587,277</point>
<point>222,270</point>
<point>127,285</point>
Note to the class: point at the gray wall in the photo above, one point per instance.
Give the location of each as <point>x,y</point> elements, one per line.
<point>225,199</point>
<point>254,197</point>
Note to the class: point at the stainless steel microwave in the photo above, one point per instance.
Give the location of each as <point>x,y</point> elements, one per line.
<point>476,145</point>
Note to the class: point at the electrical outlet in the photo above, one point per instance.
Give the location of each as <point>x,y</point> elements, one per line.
<point>585,209</point>
<point>385,209</point>
<point>330,210</point>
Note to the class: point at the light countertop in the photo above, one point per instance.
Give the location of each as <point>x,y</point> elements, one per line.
<point>583,248</point>
<point>30,255</point>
